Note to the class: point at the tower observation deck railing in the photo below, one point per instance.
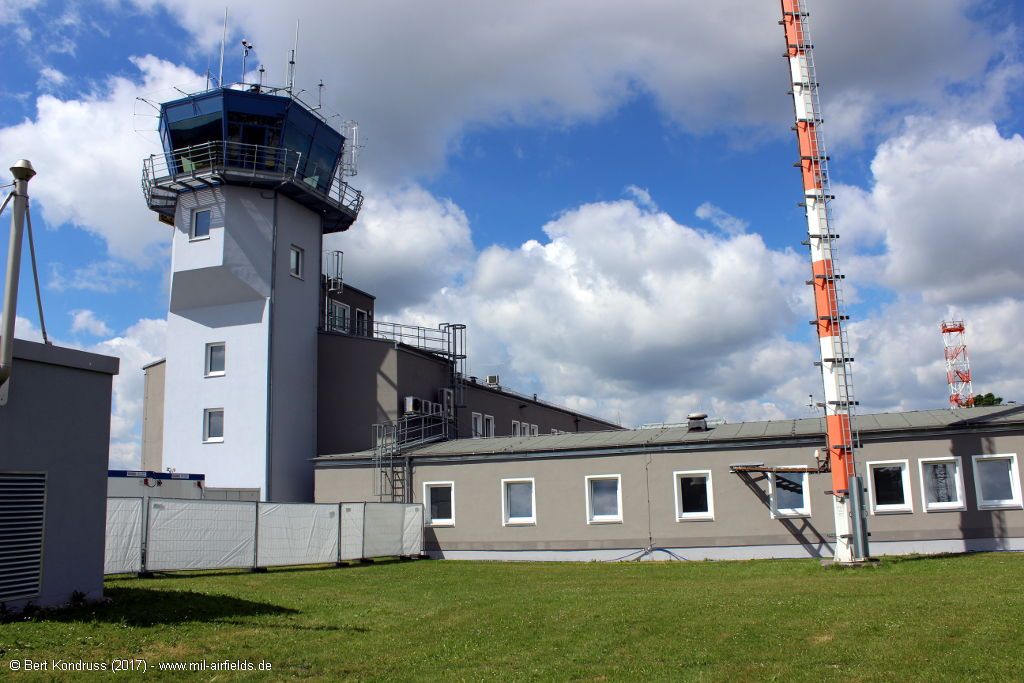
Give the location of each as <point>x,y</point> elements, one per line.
<point>164,176</point>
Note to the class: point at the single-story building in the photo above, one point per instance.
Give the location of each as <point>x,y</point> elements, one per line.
<point>937,481</point>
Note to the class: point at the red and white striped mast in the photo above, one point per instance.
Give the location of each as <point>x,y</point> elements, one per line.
<point>827,283</point>
<point>958,366</point>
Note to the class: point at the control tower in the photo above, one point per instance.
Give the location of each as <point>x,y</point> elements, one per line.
<point>251,179</point>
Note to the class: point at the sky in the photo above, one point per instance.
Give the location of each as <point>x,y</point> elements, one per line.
<point>603,192</point>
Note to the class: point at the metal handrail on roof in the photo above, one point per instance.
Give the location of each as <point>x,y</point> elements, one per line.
<point>210,163</point>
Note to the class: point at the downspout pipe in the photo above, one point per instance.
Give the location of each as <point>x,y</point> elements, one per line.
<point>22,171</point>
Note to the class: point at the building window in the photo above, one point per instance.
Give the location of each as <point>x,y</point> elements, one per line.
<point>518,502</point>
<point>789,494</point>
<point>889,486</point>
<point>515,427</point>
<point>439,501</point>
<point>488,425</point>
<point>362,323</point>
<point>215,358</point>
<point>997,481</point>
<point>338,316</point>
<point>200,229</point>
<point>295,258</point>
<point>478,425</point>
<point>604,498</point>
<point>942,484</point>
<point>534,431</point>
<point>213,425</point>
<point>694,496</point>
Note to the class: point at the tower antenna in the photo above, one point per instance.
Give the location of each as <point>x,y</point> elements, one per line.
<point>829,320</point>
<point>958,366</point>
<point>319,95</point>
<point>247,47</point>
<point>291,61</point>
<point>223,40</point>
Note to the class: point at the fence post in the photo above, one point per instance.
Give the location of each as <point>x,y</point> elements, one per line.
<point>146,504</point>
<point>256,541</point>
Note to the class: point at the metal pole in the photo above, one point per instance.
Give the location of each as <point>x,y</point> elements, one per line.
<point>859,526</point>
<point>35,273</point>
<point>22,171</point>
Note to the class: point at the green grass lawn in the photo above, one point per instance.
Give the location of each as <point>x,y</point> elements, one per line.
<point>950,618</point>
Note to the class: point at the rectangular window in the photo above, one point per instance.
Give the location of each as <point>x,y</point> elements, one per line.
<point>478,425</point>
<point>997,481</point>
<point>534,431</point>
<point>215,359</point>
<point>200,224</point>
<point>295,258</point>
<point>790,496</point>
<point>338,316</point>
<point>693,493</point>
<point>439,501</point>
<point>488,425</point>
<point>942,484</point>
<point>518,502</point>
<point>515,427</point>
<point>889,486</point>
<point>604,498</point>
<point>213,425</point>
<point>362,323</point>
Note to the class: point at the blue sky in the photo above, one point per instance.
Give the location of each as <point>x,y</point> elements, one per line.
<point>605,194</point>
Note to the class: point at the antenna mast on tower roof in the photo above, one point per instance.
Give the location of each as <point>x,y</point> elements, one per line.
<point>958,366</point>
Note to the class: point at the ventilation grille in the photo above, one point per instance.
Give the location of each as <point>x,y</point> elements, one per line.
<point>22,508</point>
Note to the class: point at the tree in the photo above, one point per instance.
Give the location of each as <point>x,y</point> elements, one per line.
<point>988,399</point>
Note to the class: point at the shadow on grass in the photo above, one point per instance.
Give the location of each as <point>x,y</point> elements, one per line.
<point>150,607</point>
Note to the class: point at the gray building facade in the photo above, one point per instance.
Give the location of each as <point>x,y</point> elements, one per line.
<point>54,444</point>
<point>937,481</point>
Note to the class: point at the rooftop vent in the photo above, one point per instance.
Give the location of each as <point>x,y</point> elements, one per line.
<point>697,422</point>
<point>492,380</point>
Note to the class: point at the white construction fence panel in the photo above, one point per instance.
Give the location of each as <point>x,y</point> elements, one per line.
<point>123,551</point>
<point>200,534</point>
<point>296,533</point>
<point>386,526</point>
<point>412,533</point>
<point>351,542</point>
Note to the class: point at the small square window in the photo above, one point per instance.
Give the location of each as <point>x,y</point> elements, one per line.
<point>478,425</point>
<point>942,484</point>
<point>889,486</point>
<point>515,427</point>
<point>534,430</point>
<point>439,501</point>
<point>215,359</point>
<point>789,494</point>
<point>213,425</point>
<point>488,425</point>
<point>518,502</point>
<point>201,220</point>
<point>295,258</point>
<point>997,482</point>
<point>694,497</point>
<point>604,498</point>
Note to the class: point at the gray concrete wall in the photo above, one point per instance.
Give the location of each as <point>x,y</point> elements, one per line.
<point>742,515</point>
<point>153,417</point>
<point>506,408</point>
<point>58,421</point>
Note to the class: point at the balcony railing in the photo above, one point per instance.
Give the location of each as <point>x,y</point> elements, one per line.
<point>191,167</point>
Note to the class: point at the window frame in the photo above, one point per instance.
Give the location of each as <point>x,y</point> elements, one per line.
<point>362,330</point>
<point>427,519</point>
<point>1014,503</point>
<point>534,430</point>
<point>603,519</point>
<point>790,513</point>
<point>301,261</point>
<point>508,520</point>
<point>515,428</point>
<point>677,493</point>
<point>332,318</point>
<point>907,506</point>
<point>192,236</point>
<point>961,504</point>
<point>207,412</point>
<point>488,426</point>
<point>476,425</point>
<point>207,372</point>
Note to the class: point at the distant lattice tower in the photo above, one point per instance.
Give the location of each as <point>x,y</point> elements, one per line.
<point>958,367</point>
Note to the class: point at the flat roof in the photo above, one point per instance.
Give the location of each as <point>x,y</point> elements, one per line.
<point>1007,416</point>
<point>62,355</point>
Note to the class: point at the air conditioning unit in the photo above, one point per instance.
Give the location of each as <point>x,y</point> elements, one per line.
<point>447,399</point>
<point>413,404</point>
<point>492,380</point>
<point>436,409</point>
